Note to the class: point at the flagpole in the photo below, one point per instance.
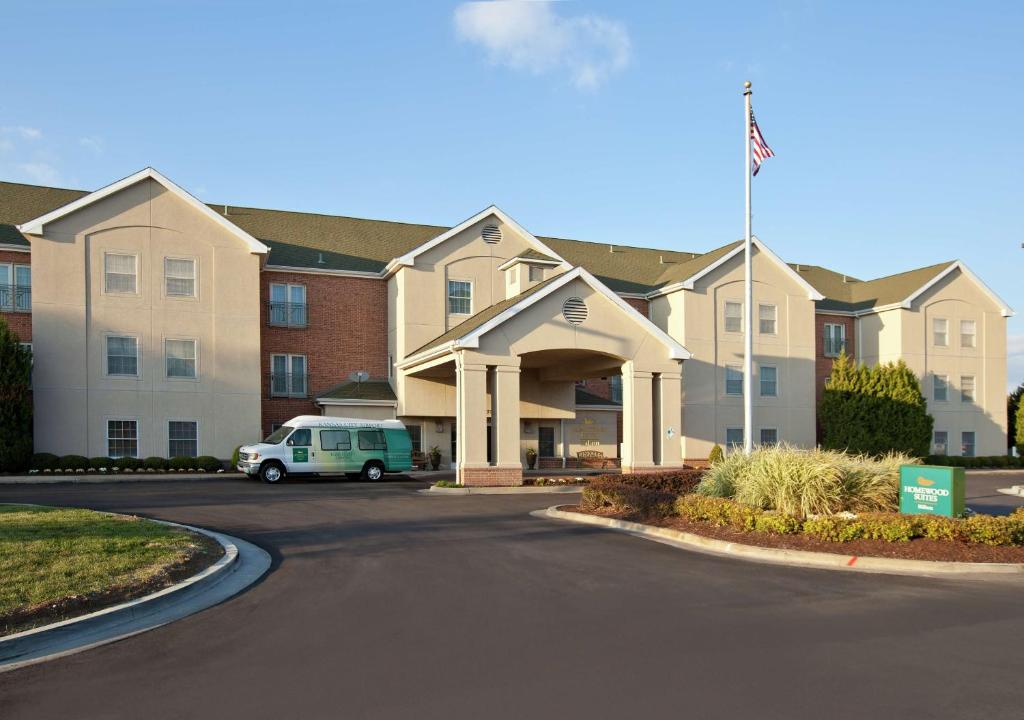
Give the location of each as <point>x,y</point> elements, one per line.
<point>748,291</point>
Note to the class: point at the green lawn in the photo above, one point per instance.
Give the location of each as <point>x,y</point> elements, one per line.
<point>50,554</point>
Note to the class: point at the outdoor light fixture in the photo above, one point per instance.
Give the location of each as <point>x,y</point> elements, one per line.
<point>439,427</point>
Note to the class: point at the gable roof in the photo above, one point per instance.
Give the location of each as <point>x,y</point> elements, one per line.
<point>375,391</point>
<point>339,244</point>
<point>36,225</point>
<point>468,332</point>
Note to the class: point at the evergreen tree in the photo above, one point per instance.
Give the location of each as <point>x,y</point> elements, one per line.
<point>1012,408</point>
<point>1020,428</point>
<point>15,402</point>
<point>874,410</point>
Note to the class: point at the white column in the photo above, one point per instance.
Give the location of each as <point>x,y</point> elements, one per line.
<point>637,450</point>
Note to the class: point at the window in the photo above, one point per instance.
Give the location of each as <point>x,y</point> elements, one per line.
<point>287,305</point>
<point>967,388</point>
<point>180,277</point>
<point>416,437</point>
<point>766,319</point>
<point>122,438</point>
<point>940,388</point>
<point>615,388</point>
<point>334,440</point>
<point>15,288</point>
<point>371,440</point>
<point>536,273</point>
<point>545,442</point>
<point>288,376</point>
<point>733,316</point>
<point>122,355</point>
<point>967,444</point>
<point>460,297</point>
<point>182,438</point>
<point>733,380</point>
<point>769,381</point>
<point>734,439</point>
<point>303,437</point>
<point>835,339</point>
<point>968,334</point>
<point>940,332</point>
<point>940,442</point>
<point>181,358</point>
<point>119,273</point>
<point>769,436</point>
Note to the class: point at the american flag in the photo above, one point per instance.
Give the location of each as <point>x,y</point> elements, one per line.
<point>759,149</point>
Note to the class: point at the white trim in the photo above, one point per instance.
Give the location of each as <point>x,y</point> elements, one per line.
<point>167,436</point>
<point>6,247</point>
<point>688,283</point>
<point>448,297</point>
<point>194,297</point>
<point>195,359</point>
<point>37,226</point>
<point>529,261</point>
<point>359,403</point>
<point>107,419</point>
<point>138,272</point>
<point>760,381</point>
<point>775,319</point>
<point>1004,309</point>
<point>313,271</point>
<point>409,258</point>
<point>106,355</point>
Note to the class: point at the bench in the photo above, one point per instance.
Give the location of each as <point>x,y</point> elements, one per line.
<point>420,460</point>
<point>592,459</point>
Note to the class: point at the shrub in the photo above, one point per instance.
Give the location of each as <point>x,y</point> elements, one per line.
<point>234,456</point>
<point>74,462</point>
<point>936,527</point>
<point>439,483</point>
<point>716,455</point>
<point>626,499</point>
<point>675,481</point>
<point>208,463</point>
<point>181,463</point>
<point>154,462</point>
<point>887,526</point>
<point>807,482</point>
<point>45,461</point>
<point>15,402</point>
<point>834,529</point>
<point>717,511</point>
<point>874,410</point>
<point>991,530</point>
<point>98,463</point>
<point>777,524</point>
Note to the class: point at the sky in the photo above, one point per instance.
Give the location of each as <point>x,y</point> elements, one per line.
<point>896,126</point>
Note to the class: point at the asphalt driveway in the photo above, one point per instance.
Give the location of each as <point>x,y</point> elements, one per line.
<point>385,603</point>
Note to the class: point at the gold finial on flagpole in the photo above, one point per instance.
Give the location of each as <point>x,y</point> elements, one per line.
<point>746,84</point>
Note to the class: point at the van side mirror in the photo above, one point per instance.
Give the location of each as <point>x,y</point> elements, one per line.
<point>290,442</point>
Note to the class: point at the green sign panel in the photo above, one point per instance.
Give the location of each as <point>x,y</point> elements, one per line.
<point>300,454</point>
<point>932,490</point>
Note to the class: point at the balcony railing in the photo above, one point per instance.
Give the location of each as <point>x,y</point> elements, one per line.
<point>289,384</point>
<point>288,314</point>
<point>15,298</point>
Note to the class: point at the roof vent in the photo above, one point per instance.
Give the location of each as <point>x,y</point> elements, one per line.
<point>663,261</point>
<point>321,259</point>
<point>492,234</point>
<point>574,310</point>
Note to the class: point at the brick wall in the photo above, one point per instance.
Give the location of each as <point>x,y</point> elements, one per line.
<point>20,323</point>
<point>822,364</point>
<point>639,304</point>
<point>346,330</point>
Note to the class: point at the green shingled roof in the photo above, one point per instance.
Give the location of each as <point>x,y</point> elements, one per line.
<point>331,242</point>
<point>366,390</point>
<point>532,254</point>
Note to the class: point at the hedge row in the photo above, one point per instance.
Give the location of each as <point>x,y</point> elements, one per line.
<point>722,512</point>
<point>673,481</point>
<point>985,461</point>
<point>42,462</point>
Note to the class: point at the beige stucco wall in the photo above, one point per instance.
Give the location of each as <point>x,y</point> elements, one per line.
<point>696,318</point>
<point>592,430</point>
<point>72,314</point>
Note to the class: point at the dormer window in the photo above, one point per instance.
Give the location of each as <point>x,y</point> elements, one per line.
<point>536,273</point>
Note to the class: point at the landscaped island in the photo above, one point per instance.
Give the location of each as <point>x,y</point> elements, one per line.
<point>56,563</point>
<point>805,500</point>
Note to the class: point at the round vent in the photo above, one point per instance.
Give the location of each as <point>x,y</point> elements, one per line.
<point>492,234</point>
<point>574,310</point>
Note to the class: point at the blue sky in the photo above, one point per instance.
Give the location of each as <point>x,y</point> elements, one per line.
<point>896,125</point>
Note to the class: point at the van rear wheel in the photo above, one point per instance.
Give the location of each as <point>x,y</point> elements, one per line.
<point>271,472</point>
<point>373,471</point>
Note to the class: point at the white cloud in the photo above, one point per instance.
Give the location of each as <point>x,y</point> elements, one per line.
<point>20,131</point>
<point>529,35</point>
<point>40,172</point>
<point>93,144</point>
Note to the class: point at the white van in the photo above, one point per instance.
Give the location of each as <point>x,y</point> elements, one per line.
<point>314,444</point>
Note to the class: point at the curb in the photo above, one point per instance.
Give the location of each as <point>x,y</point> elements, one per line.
<point>793,558</point>
<point>111,478</point>
<point>1016,490</point>
<point>511,490</point>
<point>241,565</point>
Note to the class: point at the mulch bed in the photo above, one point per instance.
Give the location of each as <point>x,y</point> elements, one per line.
<point>916,549</point>
<point>209,552</point>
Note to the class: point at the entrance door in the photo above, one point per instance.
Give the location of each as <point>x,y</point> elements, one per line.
<point>454,445</point>
<point>546,442</point>
<point>490,454</point>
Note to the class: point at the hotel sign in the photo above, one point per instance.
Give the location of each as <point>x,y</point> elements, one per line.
<point>932,490</point>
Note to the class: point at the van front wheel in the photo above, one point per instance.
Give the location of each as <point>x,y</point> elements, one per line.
<point>373,471</point>
<point>271,472</point>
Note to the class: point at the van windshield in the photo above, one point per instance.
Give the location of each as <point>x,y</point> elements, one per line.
<point>278,435</point>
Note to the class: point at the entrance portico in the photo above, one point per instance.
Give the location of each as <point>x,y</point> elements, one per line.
<point>519,361</point>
